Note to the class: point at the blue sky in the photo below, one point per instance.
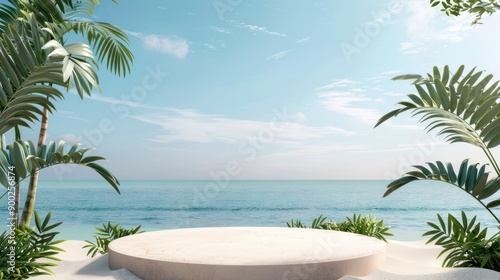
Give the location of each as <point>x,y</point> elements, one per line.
<point>258,89</point>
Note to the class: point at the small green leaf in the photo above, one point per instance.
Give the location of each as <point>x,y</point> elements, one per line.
<point>494,203</point>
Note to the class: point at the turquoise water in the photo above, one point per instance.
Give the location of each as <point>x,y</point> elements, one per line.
<point>156,205</point>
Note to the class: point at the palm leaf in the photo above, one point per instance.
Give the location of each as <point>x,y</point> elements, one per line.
<point>462,109</point>
<point>467,111</point>
<point>468,178</point>
<point>109,42</point>
<point>26,160</point>
<point>22,96</point>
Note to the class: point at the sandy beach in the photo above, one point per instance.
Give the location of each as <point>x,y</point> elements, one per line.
<point>404,260</point>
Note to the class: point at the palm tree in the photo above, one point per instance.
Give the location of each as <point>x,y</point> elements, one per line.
<point>462,109</point>
<point>74,61</point>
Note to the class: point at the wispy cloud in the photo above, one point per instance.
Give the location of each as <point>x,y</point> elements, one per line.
<point>347,97</point>
<point>70,138</point>
<point>210,46</point>
<point>215,45</point>
<point>384,76</point>
<point>425,25</point>
<point>193,126</point>
<point>342,83</point>
<point>343,102</point>
<point>175,46</point>
<point>111,100</point>
<point>70,115</point>
<point>302,40</point>
<point>221,30</point>
<point>256,28</point>
<point>161,7</point>
<point>278,55</point>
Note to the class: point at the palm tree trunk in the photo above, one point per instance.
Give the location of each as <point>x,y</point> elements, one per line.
<point>29,204</point>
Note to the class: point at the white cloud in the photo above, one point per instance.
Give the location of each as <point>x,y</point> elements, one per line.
<point>193,126</point>
<point>255,28</point>
<point>118,101</point>
<point>169,45</point>
<point>384,76</point>
<point>174,46</point>
<point>215,45</point>
<point>300,117</point>
<point>221,30</point>
<point>70,115</point>
<point>161,7</point>
<point>278,55</point>
<point>342,83</point>
<point>133,33</point>
<point>342,102</point>
<point>70,138</point>
<point>302,40</point>
<point>425,25</point>
<point>210,46</point>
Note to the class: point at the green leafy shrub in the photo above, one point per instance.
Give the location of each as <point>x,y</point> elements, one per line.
<point>30,252</point>
<point>462,107</point>
<point>466,243</point>
<point>105,235</point>
<point>367,225</point>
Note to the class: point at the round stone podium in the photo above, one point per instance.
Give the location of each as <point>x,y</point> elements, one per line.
<point>246,253</point>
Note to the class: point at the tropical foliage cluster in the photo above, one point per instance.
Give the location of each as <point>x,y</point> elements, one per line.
<point>37,65</point>
<point>477,7</point>
<point>34,250</point>
<point>462,107</point>
<point>106,234</point>
<point>367,225</point>
<point>466,243</point>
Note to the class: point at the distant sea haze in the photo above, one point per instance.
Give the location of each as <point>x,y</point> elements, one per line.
<point>157,205</point>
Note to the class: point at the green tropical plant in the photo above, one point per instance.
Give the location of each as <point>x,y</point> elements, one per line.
<point>477,7</point>
<point>105,235</point>
<point>38,27</point>
<point>24,157</point>
<point>367,225</point>
<point>463,108</point>
<point>30,251</point>
<point>21,158</point>
<point>296,224</point>
<point>466,243</point>
<point>24,80</point>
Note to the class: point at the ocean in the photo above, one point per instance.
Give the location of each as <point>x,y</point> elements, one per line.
<point>160,205</point>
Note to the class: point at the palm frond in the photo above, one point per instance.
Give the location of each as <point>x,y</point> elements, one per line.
<point>466,109</point>
<point>471,178</point>
<point>22,94</point>
<point>109,42</point>
<point>8,16</point>
<point>25,159</point>
<point>75,67</point>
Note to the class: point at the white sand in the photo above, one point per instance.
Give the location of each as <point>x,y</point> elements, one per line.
<point>405,261</point>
